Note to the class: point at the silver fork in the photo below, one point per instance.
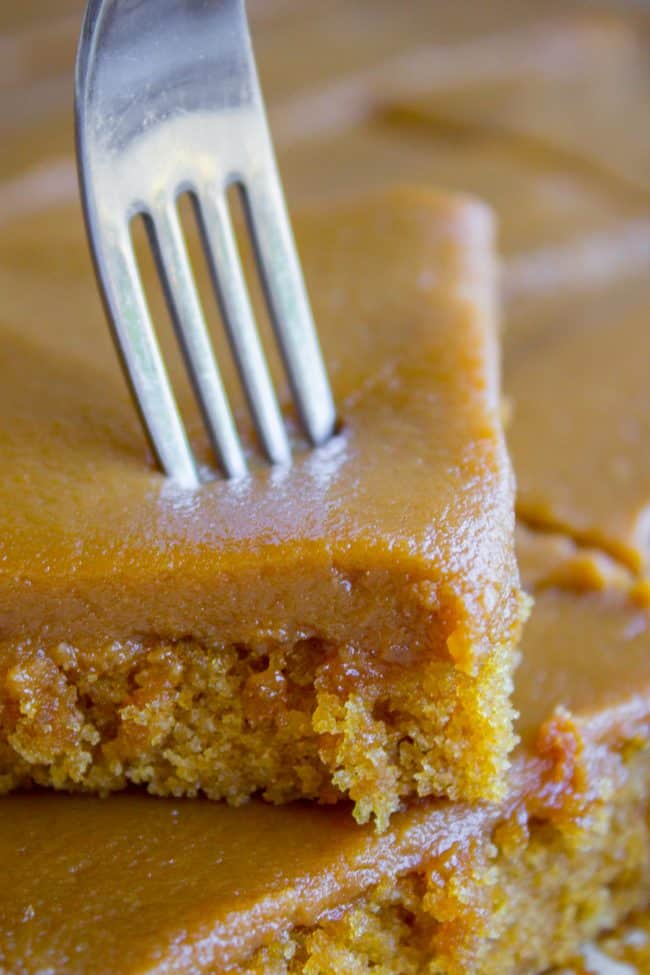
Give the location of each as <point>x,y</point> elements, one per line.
<point>167,101</point>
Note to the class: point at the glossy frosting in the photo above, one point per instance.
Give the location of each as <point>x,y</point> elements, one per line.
<point>140,882</point>
<point>96,537</point>
<point>600,412</point>
<point>586,651</point>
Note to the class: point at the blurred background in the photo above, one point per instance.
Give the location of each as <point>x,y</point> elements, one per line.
<point>539,107</point>
<point>363,91</point>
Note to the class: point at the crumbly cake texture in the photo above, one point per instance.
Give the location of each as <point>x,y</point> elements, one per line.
<point>575,886</point>
<point>343,630</point>
<point>182,718</point>
<point>448,888</point>
<point>570,856</point>
<point>623,951</point>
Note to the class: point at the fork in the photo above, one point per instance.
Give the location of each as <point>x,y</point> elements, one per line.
<point>167,101</point>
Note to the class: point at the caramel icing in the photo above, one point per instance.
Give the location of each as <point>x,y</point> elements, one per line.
<point>96,536</point>
<point>588,655</point>
<point>599,411</point>
<point>186,886</point>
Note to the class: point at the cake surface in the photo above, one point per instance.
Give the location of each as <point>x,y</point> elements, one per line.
<point>343,628</point>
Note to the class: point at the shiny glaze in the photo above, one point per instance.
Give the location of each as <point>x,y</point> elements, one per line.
<point>586,649</point>
<point>190,886</point>
<point>599,410</point>
<point>416,486</point>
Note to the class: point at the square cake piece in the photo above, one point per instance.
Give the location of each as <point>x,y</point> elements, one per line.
<point>345,628</point>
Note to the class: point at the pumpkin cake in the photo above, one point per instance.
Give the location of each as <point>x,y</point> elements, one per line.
<point>494,888</point>
<point>133,884</point>
<point>342,629</point>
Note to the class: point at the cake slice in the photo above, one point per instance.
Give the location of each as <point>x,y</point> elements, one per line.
<point>492,889</point>
<point>345,628</point>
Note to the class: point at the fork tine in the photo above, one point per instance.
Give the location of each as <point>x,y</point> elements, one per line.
<point>138,347</point>
<point>225,266</point>
<point>185,309</point>
<point>199,118</point>
<point>291,316</point>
